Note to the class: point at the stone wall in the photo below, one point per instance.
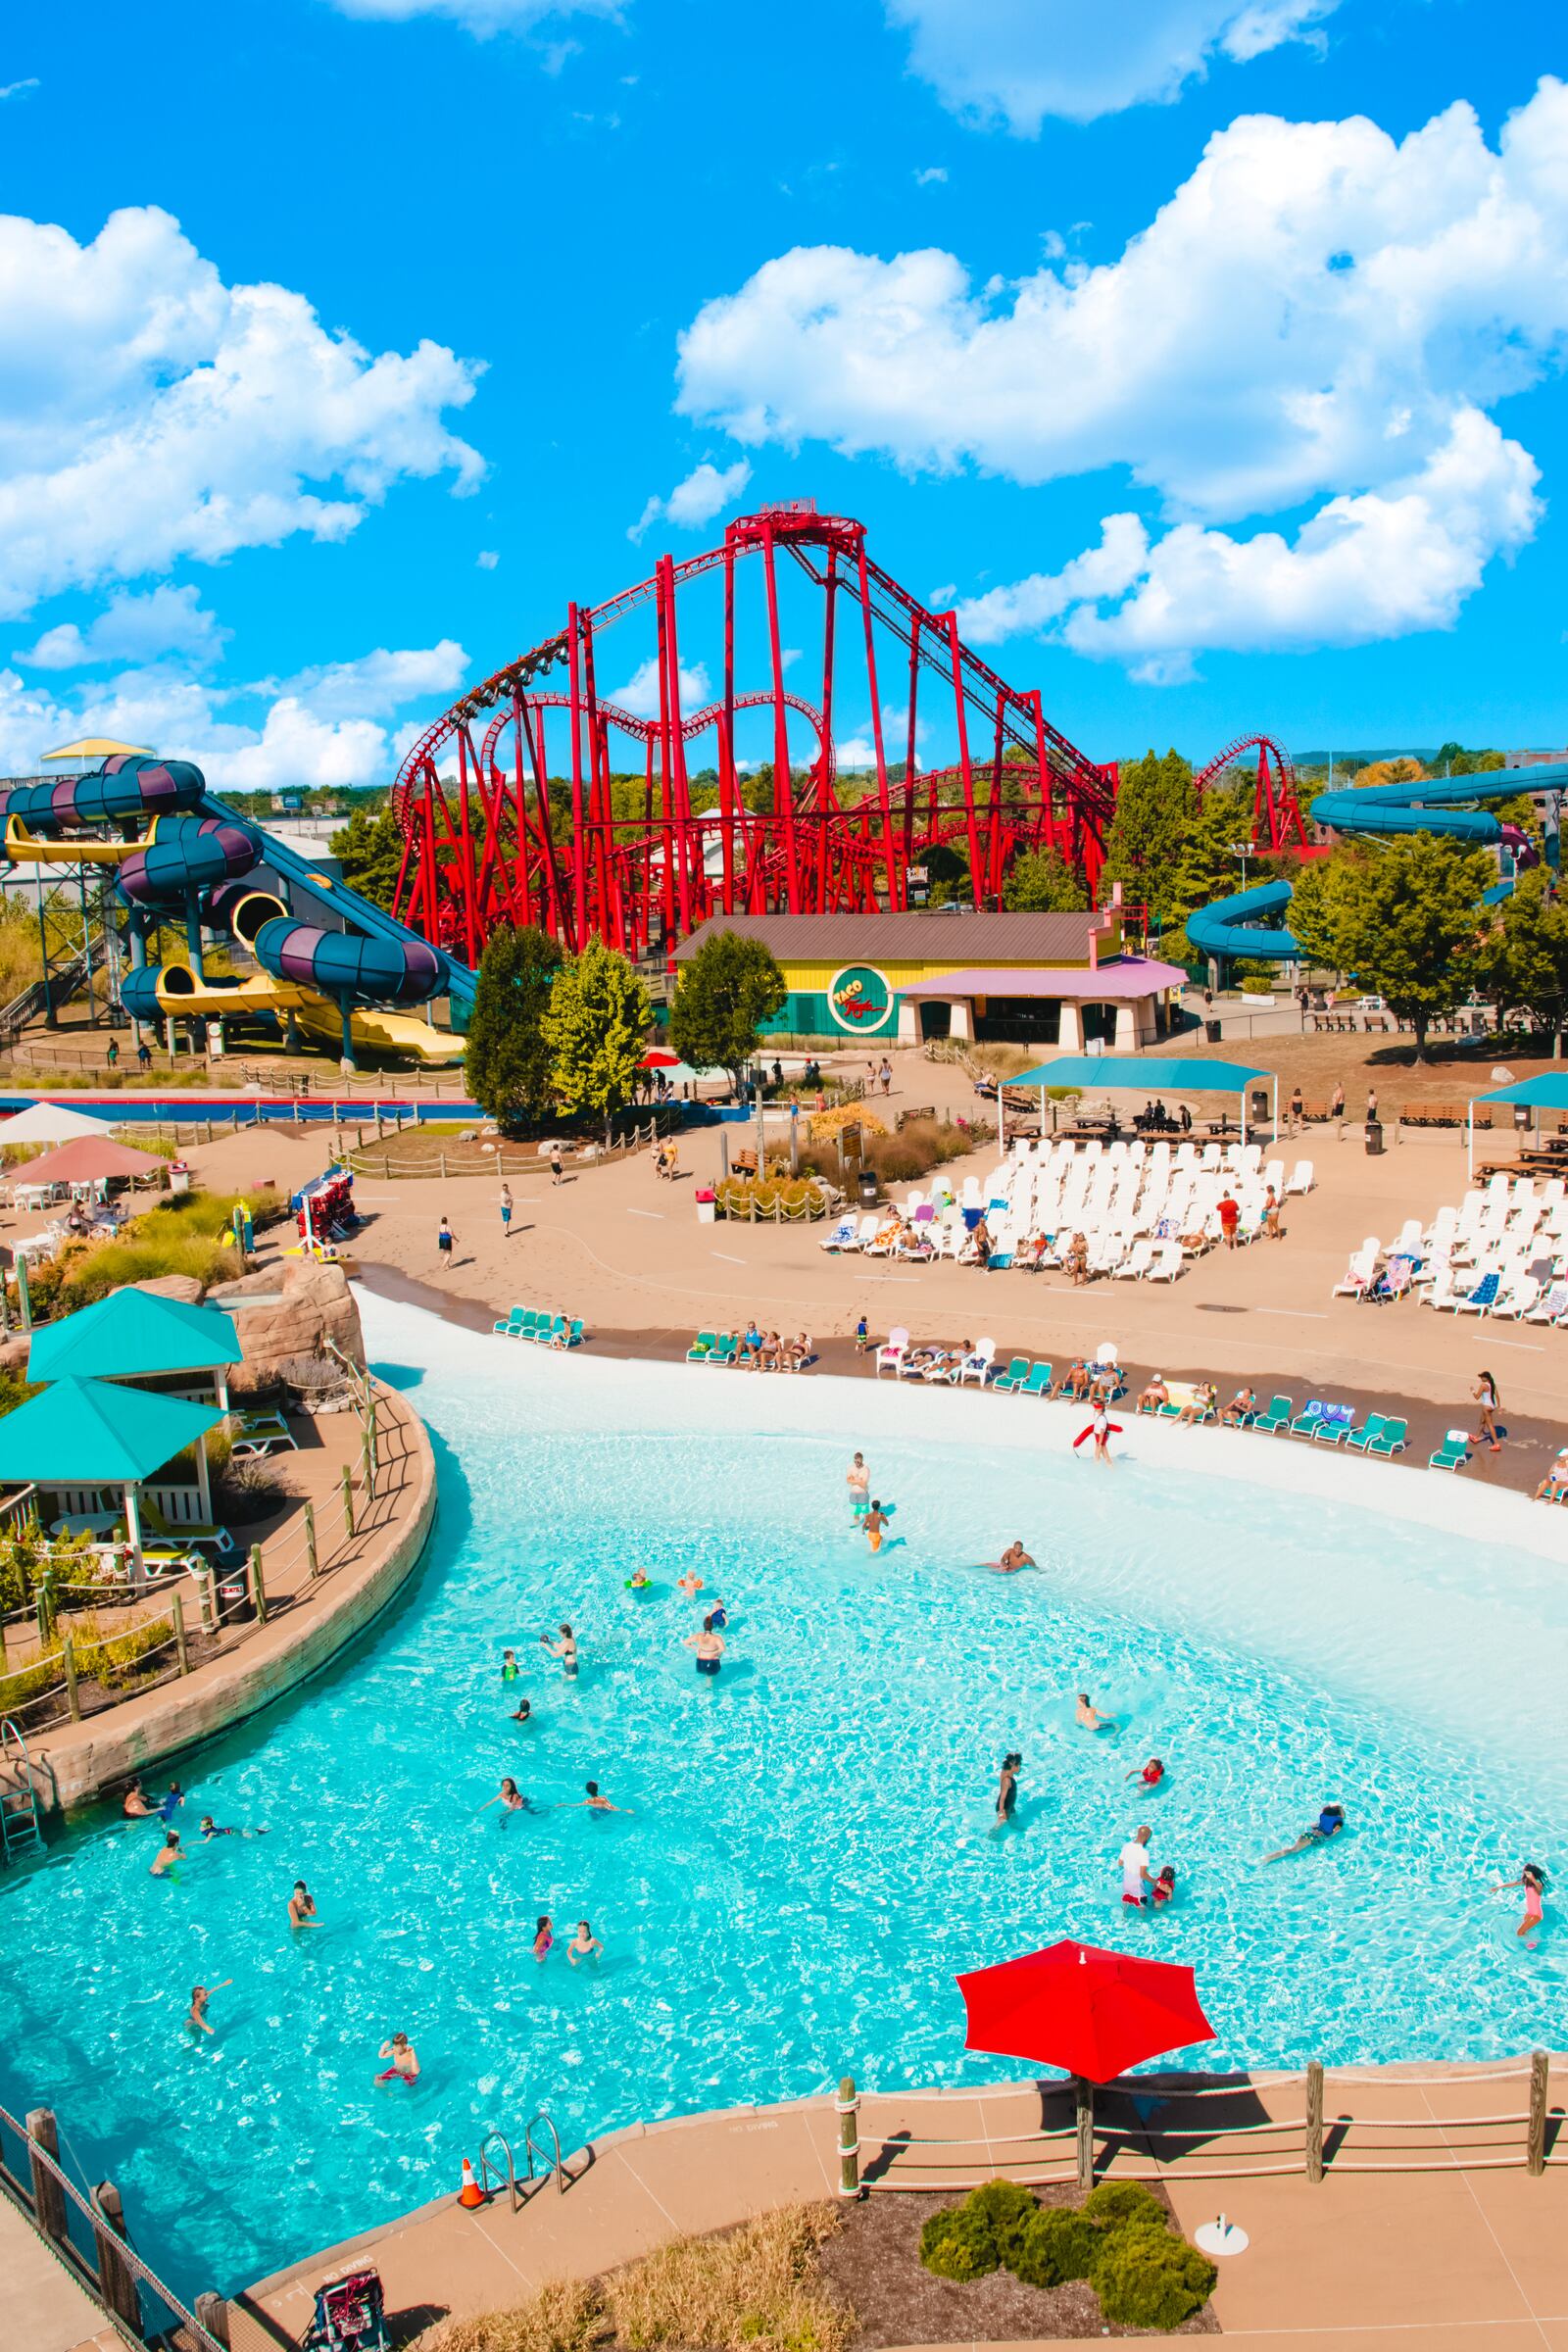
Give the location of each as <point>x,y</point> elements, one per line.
<point>289,1310</point>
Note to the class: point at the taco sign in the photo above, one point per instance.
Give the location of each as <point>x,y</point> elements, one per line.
<point>859,998</point>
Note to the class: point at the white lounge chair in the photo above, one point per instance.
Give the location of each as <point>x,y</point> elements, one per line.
<point>1166,1263</point>
<point>844,1235</point>
<point>979,1365</point>
<point>1135,1263</point>
<point>894,1352</point>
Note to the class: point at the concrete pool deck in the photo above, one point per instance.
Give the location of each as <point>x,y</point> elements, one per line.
<point>1429,2260</point>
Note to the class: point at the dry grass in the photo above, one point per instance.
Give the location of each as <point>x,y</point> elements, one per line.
<point>1005,1061</point>
<point>756,2290</point>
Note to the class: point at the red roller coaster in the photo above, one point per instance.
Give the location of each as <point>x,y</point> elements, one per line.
<point>491,838</point>
<point>1277,821</point>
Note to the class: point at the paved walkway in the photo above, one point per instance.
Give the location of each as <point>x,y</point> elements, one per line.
<point>42,2307</point>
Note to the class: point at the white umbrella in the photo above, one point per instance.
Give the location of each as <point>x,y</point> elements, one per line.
<point>49,1124</point>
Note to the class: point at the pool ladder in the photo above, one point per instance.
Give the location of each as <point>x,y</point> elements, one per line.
<point>19,1832</point>
<point>550,2161</point>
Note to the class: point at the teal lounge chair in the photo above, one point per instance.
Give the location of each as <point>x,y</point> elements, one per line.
<point>544,1331</point>
<point>1454,1452</point>
<point>1038,1383</point>
<point>1276,1418</point>
<point>1305,1423</point>
<point>1390,1438</point>
<point>702,1347</point>
<point>1333,1423</point>
<point>574,1334</point>
<point>1015,1375</point>
<point>1358,1439</point>
<point>512,1324</point>
<point>722,1351</point>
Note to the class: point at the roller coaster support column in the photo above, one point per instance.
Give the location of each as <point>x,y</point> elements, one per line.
<point>729,799</point>
<point>672,743</point>
<point>895,871</point>
<point>976,884</point>
<point>579,838</point>
<point>783,792</point>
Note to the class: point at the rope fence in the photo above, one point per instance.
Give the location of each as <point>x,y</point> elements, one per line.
<point>367,1159</point>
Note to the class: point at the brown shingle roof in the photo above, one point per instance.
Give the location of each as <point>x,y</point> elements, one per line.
<point>958,939</point>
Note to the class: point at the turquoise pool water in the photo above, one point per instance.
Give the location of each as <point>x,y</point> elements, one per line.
<point>810,1858</point>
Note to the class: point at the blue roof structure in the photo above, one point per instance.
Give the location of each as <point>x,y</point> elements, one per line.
<point>1548,1092</point>
<point>1158,1074</point>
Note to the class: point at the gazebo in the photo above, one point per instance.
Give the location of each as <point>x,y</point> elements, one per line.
<point>1150,1074</point>
<point>139,1335</point>
<point>1548,1092</point>
<point>91,1433</point>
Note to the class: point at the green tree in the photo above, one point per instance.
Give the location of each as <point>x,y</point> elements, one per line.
<point>729,989</point>
<point>1205,866</point>
<point>1522,964</point>
<point>1042,882</point>
<point>1156,809</point>
<point>506,1061</point>
<point>370,849</point>
<point>1401,918</point>
<point>596,1025</point>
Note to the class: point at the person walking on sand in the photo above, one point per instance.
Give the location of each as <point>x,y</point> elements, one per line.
<point>506,1211</point>
<point>557,1172</point>
<point>1336,1102</point>
<point>1485,1395</point>
<point>885,1073</point>
<point>444,1241</point>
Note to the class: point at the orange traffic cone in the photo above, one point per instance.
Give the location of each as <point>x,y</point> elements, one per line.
<point>470,2192</point>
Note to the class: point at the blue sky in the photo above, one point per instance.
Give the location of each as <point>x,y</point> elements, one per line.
<point>1219,383</point>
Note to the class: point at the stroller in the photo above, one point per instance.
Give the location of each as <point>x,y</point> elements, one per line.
<point>349,2316</point>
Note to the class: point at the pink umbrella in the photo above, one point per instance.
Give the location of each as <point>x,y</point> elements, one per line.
<point>91,1160</point>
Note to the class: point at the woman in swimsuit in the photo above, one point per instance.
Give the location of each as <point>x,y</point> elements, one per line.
<point>708,1645</point>
<point>544,1935</point>
<point>508,1795</point>
<point>1486,1395</point>
<point>1533,1880</point>
<point>1088,1717</point>
<point>1008,1786</point>
<point>565,1649</point>
<point>584,1945</point>
<point>133,1804</point>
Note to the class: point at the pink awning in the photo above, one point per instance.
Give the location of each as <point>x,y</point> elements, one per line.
<point>1131,976</point>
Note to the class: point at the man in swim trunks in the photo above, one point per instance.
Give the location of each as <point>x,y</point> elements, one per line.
<point>1088,1717</point>
<point>1229,1212</point>
<point>1014,1559</point>
<point>595,1804</point>
<point>875,1523</point>
<point>1329,1823</point>
<point>858,1477</point>
<point>1134,1871</point>
<point>405,2066</point>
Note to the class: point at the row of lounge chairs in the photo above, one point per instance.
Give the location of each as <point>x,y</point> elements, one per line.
<point>730,1347</point>
<point>544,1329</point>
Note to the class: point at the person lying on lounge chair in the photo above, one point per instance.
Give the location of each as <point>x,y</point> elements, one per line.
<point>1242,1408</point>
<point>1154,1396</point>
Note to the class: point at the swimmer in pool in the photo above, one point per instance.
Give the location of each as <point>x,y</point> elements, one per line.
<point>708,1645</point>
<point>134,1805</point>
<point>200,1995</point>
<point>858,1477</point>
<point>405,2066</point>
<point>1088,1717</point>
<point>210,1828</point>
<point>1150,1774</point>
<point>522,1711</point>
<point>544,1935</point>
<point>719,1616</point>
<point>302,1907</point>
<point>510,1798</point>
<point>172,1803</point>
<point>1014,1559</point>
<point>1008,1786</point>
<point>593,1802</point>
<point>510,1669</point>
<point>691,1583</point>
<point>1164,1891</point>
<point>1532,1879</point>
<point>875,1524</point>
<point>584,1945</point>
<point>565,1649</point>
<point>167,1854</point>
<point>639,1581</point>
<point>1329,1823</point>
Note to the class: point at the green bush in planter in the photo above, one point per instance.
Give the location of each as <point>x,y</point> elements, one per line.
<point>957,2245</point>
<point>1116,2203</point>
<point>1057,2245</point>
<point>1149,2278</point>
<point>1005,2210</point>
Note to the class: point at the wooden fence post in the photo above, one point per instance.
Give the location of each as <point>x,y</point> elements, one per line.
<point>848,2104</point>
<point>206,1602</point>
<point>48,2197</point>
<point>212,2312</point>
<point>310,1539</point>
<point>348,1498</point>
<point>181,1650</point>
<point>1314,2118</point>
<point>1085,2118</point>
<point>116,2281</point>
<point>68,1656</point>
<point>258,1587</point>
<point>1536,2128</point>
<point>443,1158</point>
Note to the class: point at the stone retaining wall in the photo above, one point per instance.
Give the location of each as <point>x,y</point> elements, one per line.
<point>77,1763</point>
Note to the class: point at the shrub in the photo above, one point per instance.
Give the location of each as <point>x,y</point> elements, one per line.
<point>1149,2278</point>
<point>1115,2204</point>
<point>957,2243</point>
<point>756,2291</point>
<point>1007,2209</point>
<point>1057,2245</point>
<point>564,2316</point>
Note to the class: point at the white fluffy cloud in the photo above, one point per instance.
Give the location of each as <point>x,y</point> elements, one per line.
<point>379,684</point>
<point>1018,61</point>
<point>640,694</point>
<point>488,558</point>
<point>704,493</point>
<point>480,16</point>
<point>149,413</point>
<point>133,629</point>
<point>1319,313</point>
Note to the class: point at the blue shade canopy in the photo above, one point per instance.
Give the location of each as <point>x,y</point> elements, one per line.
<point>1550,1092</point>
<point>88,1433</point>
<point>1160,1075</point>
<point>132,1334</point>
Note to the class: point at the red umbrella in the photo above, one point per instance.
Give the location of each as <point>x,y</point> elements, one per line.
<point>658,1058</point>
<point>1090,2011</point>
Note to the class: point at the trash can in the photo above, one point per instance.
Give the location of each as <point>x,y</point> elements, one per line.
<point>234,1603</point>
<point>179,1176</point>
<point>1374,1137</point>
<point>1259,1110</point>
<point>1521,1117</point>
<point>868,1187</point>
<point>1211,1030</point>
<point>706,1208</point>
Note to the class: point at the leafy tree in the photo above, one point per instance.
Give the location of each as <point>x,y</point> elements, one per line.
<point>506,1063</point>
<point>370,849</point>
<point>1206,867</point>
<point>1454,761</point>
<point>1042,882</point>
<point>1390,771</point>
<point>1155,810</point>
<point>1402,918</point>
<point>595,1026</point>
<point>1522,964</point>
<point>729,988</point>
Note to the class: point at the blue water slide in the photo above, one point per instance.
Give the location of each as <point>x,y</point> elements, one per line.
<point>1216,930</point>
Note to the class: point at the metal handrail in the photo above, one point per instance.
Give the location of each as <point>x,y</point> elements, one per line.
<point>486,2168</point>
<point>563,2177</point>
